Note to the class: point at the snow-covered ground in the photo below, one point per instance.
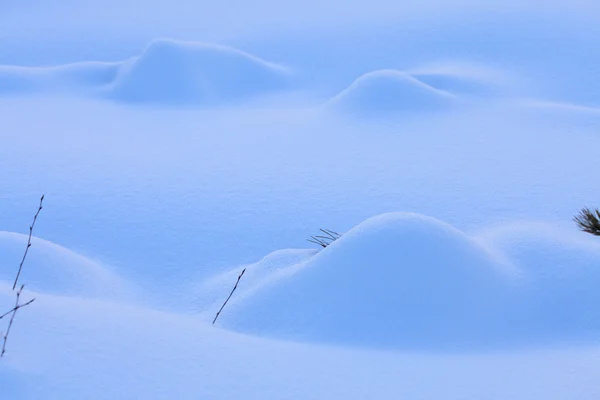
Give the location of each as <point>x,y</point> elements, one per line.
<point>449,142</point>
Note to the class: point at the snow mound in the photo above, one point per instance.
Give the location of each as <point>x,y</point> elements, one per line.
<point>169,71</point>
<point>395,280</point>
<point>388,91</point>
<point>50,268</point>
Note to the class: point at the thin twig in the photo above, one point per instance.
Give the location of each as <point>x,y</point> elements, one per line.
<point>325,241</point>
<point>28,242</point>
<point>317,242</point>
<point>325,238</point>
<point>329,235</point>
<point>335,233</point>
<point>230,294</point>
<point>13,311</point>
<point>12,318</point>
<point>17,307</point>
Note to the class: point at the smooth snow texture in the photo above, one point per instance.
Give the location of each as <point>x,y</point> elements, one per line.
<point>562,274</point>
<point>85,78</point>
<point>209,293</point>
<point>155,163</point>
<point>410,281</point>
<point>167,72</point>
<point>467,79</point>
<point>395,280</point>
<point>52,268</point>
<point>65,348</point>
<point>389,91</point>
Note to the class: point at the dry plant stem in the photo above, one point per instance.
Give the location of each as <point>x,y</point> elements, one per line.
<point>230,294</point>
<point>28,242</point>
<point>317,241</point>
<point>331,234</point>
<point>12,318</point>
<point>325,241</point>
<point>17,307</point>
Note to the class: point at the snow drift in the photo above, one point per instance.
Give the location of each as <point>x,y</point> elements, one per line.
<point>78,78</point>
<point>51,268</point>
<point>180,72</point>
<point>166,72</point>
<point>67,348</point>
<point>466,79</point>
<point>387,91</point>
<point>562,278</point>
<point>395,280</point>
<point>208,294</point>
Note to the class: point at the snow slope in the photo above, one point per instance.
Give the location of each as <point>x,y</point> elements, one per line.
<point>79,78</point>
<point>468,79</point>
<point>65,348</point>
<point>207,294</point>
<point>54,269</point>
<point>399,280</point>
<point>389,91</point>
<point>183,165</point>
<point>409,281</point>
<point>561,270</point>
<point>168,72</point>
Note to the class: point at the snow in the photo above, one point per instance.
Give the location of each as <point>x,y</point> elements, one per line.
<point>167,72</point>
<point>112,351</point>
<point>52,268</point>
<point>449,142</point>
<point>389,91</point>
<point>399,280</point>
<point>207,293</point>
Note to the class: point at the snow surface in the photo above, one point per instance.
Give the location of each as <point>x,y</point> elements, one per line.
<point>365,288</point>
<point>173,72</point>
<point>389,91</point>
<point>451,142</point>
<point>167,72</point>
<point>55,269</point>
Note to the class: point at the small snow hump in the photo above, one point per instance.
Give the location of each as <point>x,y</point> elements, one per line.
<point>389,91</point>
<point>53,269</point>
<point>170,71</point>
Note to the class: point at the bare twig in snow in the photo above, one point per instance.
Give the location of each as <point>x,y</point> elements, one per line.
<point>28,242</point>
<point>13,312</point>
<point>325,241</point>
<point>230,294</point>
<point>17,306</point>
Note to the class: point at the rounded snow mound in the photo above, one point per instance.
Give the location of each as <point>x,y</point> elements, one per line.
<point>53,269</point>
<point>169,71</point>
<point>388,91</point>
<point>395,280</point>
